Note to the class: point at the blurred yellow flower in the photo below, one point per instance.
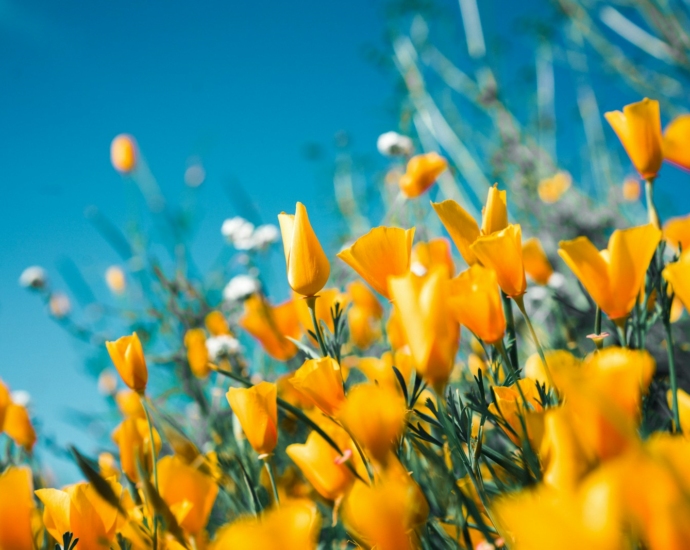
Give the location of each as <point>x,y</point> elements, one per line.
<point>502,252</point>
<point>639,129</point>
<point>677,142</point>
<point>256,409</point>
<point>325,302</point>
<point>422,172</point>
<point>561,363</point>
<point>678,276</point>
<point>475,301</point>
<point>537,264</point>
<point>631,189</point>
<point>382,253</point>
<point>197,354</point>
<point>271,324</point>
<point>551,189</point>
<point>683,408</point>
<point>124,153</point>
<point>321,380</point>
<point>216,324</point>
<point>115,279</point>
<point>128,357</point>
<point>16,509</point>
<point>510,406</point>
<point>380,370</point>
<point>427,255</point>
<point>129,403</point>
<point>308,268</point>
<point>677,233</point>
<point>364,315</point>
<point>133,439</point>
<point>613,277</point>
<point>18,426</point>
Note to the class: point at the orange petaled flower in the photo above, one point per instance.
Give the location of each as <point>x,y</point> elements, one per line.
<point>364,315</point>
<point>537,265</point>
<point>502,252</point>
<point>475,301</point>
<point>133,439</point>
<point>677,233</point>
<point>383,252</point>
<point>321,380</point>
<point>308,268</point>
<point>16,509</point>
<point>613,277</point>
<point>430,254</point>
<point>551,189</point>
<point>432,335</point>
<point>216,324</point>
<point>464,230</point>
<point>677,142</point>
<point>295,524</point>
<point>639,129</point>
<point>129,403</point>
<point>128,357</point>
<point>422,172</point>
<point>380,370</point>
<point>325,303</point>
<point>18,426</point>
<point>271,324</point>
<point>678,276</point>
<point>123,153</point>
<point>256,409</point>
<point>197,354</point>
<point>631,189</point>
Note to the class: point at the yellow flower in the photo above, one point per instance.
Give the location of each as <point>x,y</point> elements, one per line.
<point>432,335</point>
<point>394,330</point>
<point>216,324</point>
<point>375,417</point>
<point>427,255</point>
<point>561,363</point>
<point>18,426</point>
<point>107,466</point>
<point>271,324</point>
<point>502,252</point>
<point>678,276</point>
<point>133,440</point>
<point>422,172</point>
<point>123,154</point>
<point>115,279</point>
<point>475,302</point>
<point>5,400</point>
<point>639,129</point>
<point>510,406</point>
<point>382,253</point>
<point>677,142</point>
<point>364,315</point>
<point>631,189</point>
<point>321,380</point>
<point>677,233</point>
<point>319,463</point>
<point>683,408</point>
<point>16,509</point>
<point>551,189</point>
<point>80,510</point>
<point>380,371</point>
<point>308,268</point>
<point>324,304</point>
<point>129,403</point>
<point>256,409</point>
<point>537,265</point>
<point>197,354</point>
<point>187,491</point>
<point>128,357</point>
<point>296,524</point>
<point>613,277</point>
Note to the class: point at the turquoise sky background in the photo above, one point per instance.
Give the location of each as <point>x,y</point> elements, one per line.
<point>243,85</point>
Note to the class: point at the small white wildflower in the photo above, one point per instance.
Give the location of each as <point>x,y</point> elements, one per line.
<point>194,175</point>
<point>59,305</point>
<point>33,277</point>
<point>392,144</point>
<point>557,280</point>
<point>239,288</point>
<point>222,346</point>
<point>238,232</point>
<point>265,235</point>
<point>21,398</point>
<point>107,383</point>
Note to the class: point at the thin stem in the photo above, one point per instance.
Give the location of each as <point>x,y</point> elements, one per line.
<point>598,342</point>
<point>269,470</point>
<point>672,373</point>
<point>311,304</point>
<point>521,306</point>
<point>155,467</point>
<point>623,334</point>
<point>510,326</point>
<point>651,208</point>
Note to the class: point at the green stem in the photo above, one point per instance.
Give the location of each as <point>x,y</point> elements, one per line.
<point>510,326</point>
<point>623,335</point>
<point>651,208</point>
<point>521,306</point>
<point>311,304</point>
<point>269,469</point>
<point>597,329</point>
<point>672,374</point>
<point>155,467</point>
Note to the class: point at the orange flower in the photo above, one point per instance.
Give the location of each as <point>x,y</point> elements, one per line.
<point>430,254</point>
<point>256,409</point>
<point>366,254</point>
<point>325,302</point>
<point>677,233</point>
<point>129,403</point>
<point>216,324</point>
<point>551,189</point>
<point>432,335</point>
<point>308,268</point>
<point>5,400</point>
<point>537,265</point>
<point>16,509</point>
<point>321,380</point>
<point>678,276</point>
<point>615,276</point>
<point>510,406</point>
<point>133,439</point>
<point>197,354</point>
<point>422,172</point>
<point>364,316</point>
<point>502,252</point>
<point>128,357</point>
<point>380,371</point>
<point>639,129</point>
<point>394,330</point>
<point>18,426</point>
<point>631,189</point>
<point>677,142</point>
<point>476,303</point>
<point>271,324</point>
<point>123,153</point>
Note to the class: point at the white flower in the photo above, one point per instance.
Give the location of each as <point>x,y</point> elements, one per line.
<point>21,398</point>
<point>222,346</point>
<point>392,144</point>
<point>238,232</point>
<point>239,288</point>
<point>557,280</point>
<point>33,277</point>
<point>265,235</point>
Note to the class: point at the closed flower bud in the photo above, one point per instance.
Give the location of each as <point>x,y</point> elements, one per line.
<point>128,357</point>
<point>257,410</point>
<point>321,380</point>
<point>502,252</point>
<point>422,172</point>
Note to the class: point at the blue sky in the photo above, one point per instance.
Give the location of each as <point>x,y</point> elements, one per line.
<point>243,85</point>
